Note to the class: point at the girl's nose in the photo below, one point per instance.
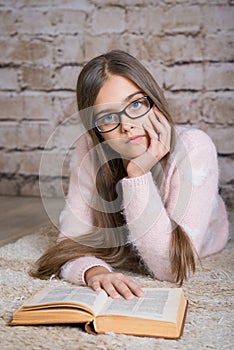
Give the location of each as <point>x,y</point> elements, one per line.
<point>126,124</point>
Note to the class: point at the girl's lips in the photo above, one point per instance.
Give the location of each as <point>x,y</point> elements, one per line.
<point>135,139</point>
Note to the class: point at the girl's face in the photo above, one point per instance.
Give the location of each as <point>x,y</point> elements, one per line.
<point>129,139</point>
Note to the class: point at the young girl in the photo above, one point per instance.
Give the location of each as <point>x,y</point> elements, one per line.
<point>140,186</point>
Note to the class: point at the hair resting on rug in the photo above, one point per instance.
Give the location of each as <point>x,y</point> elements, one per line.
<point>66,250</point>
<point>90,81</point>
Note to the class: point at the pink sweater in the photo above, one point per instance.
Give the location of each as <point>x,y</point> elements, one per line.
<point>189,196</point>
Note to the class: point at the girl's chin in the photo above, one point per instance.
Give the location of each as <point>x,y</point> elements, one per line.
<point>129,150</point>
<point>131,153</point>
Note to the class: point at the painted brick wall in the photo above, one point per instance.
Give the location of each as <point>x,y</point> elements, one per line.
<point>186,44</point>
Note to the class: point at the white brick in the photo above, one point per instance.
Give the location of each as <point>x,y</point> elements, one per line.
<point>45,4</point>
<point>29,186</point>
<point>219,76</point>
<point>66,77</point>
<point>68,49</point>
<point>33,134</point>
<point>157,70</point>
<point>9,186</point>
<point>9,79</point>
<point>226,166</point>
<point>219,46</point>
<point>24,49</point>
<point>182,19</point>
<point>65,136</point>
<point>53,164</point>
<point>12,106</point>
<point>37,106</point>
<point>69,21</point>
<point>53,187</point>
<point>29,162</point>
<point>184,77</point>
<point>64,107</point>
<point>181,48</point>
<point>219,108</point>
<point>128,3</point>
<point>108,20</point>
<point>9,162</point>
<point>37,78</point>
<point>98,44</point>
<point>50,21</point>
<point>25,106</point>
<point>147,19</point>
<point>222,137</point>
<point>8,135</point>
<point>185,107</point>
<point>7,22</point>
<point>218,18</point>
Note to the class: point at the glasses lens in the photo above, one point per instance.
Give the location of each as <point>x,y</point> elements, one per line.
<point>138,107</point>
<point>135,109</point>
<point>107,122</point>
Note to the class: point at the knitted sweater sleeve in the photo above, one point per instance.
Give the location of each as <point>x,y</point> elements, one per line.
<point>191,200</point>
<point>76,218</point>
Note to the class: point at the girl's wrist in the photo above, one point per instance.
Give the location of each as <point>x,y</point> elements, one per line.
<point>95,270</point>
<point>135,174</point>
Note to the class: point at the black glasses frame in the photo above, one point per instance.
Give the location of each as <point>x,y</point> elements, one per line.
<point>151,103</point>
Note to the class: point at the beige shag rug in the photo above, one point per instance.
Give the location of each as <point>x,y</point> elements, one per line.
<point>209,322</point>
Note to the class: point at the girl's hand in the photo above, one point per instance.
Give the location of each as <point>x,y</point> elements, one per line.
<point>159,132</point>
<point>114,283</point>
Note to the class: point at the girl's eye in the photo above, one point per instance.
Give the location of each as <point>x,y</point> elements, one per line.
<point>136,104</point>
<point>108,118</point>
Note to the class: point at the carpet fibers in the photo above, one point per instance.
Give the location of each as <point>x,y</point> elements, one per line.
<point>209,322</point>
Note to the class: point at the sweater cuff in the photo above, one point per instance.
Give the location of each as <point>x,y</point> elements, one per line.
<point>137,181</point>
<point>74,271</point>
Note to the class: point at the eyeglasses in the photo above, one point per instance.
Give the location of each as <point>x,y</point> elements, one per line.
<point>136,109</point>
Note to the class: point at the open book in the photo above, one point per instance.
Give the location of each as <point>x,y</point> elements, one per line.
<point>160,313</point>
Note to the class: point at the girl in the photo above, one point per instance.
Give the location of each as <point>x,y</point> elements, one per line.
<point>140,186</point>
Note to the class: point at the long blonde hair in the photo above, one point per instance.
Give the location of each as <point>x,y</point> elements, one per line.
<point>111,225</point>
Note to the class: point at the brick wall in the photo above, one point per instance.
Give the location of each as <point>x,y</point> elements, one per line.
<point>186,44</point>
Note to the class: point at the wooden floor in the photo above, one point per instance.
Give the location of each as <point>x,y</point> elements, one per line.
<point>20,216</point>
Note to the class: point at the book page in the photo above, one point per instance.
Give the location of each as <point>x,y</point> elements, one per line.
<point>63,295</point>
<point>156,304</point>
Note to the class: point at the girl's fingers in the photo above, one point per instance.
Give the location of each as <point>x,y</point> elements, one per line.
<point>159,120</point>
<point>154,139</point>
<point>117,285</point>
<point>95,285</point>
<point>154,127</point>
<point>162,127</point>
<point>126,287</point>
<point>129,289</point>
<point>110,289</point>
<point>160,116</point>
<point>158,131</point>
<point>123,289</point>
<point>135,288</point>
<point>151,132</point>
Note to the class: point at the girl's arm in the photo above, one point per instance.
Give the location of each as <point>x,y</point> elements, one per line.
<point>191,200</point>
<point>97,274</point>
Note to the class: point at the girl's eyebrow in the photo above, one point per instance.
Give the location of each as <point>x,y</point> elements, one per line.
<point>128,98</point>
